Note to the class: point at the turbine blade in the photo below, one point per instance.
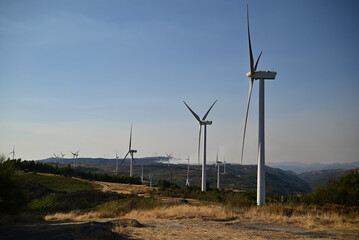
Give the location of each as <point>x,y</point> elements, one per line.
<point>255,67</point>
<point>245,121</point>
<point>250,46</point>
<point>199,143</point>
<point>204,118</point>
<point>194,114</point>
<point>129,147</point>
<point>124,158</point>
<point>217,156</point>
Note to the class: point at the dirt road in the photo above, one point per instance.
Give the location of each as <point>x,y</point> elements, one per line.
<point>166,229</point>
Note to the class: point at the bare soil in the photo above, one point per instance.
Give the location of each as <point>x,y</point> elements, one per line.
<point>169,229</point>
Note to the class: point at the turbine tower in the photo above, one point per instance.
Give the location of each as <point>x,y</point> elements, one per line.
<point>141,173</point>
<point>62,157</point>
<point>203,122</point>
<point>13,153</point>
<point>169,157</point>
<point>261,76</point>
<point>217,166</point>
<point>117,163</point>
<point>187,179</point>
<point>224,166</point>
<point>150,176</point>
<point>55,156</point>
<point>77,156</point>
<point>131,152</point>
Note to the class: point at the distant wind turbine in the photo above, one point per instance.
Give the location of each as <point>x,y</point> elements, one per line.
<point>169,157</point>
<point>224,166</point>
<point>203,122</point>
<point>150,176</point>
<point>62,157</point>
<point>131,152</point>
<point>55,156</point>
<point>117,163</point>
<point>217,166</point>
<point>187,179</point>
<point>13,153</point>
<point>141,173</point>
<point>261,76</point>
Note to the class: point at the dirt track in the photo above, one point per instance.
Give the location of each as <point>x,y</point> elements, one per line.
<point>165,229</point>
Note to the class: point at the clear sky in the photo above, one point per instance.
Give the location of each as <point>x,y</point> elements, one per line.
<point>76,74</point>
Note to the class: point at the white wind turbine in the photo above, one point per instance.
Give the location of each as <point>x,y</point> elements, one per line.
<point>117,163</point>
<point>203,122</point>
<point>131,152</point>
<point>55,156</point>
<point>261,76</point>
<point>141,173</point>
<point>187,179</point>
<point>13,153</point>
<point>217,166</point>
<point>169,157</point>
<point>224,166</point>
<point>75,155</point>
<point>62,157</point>
<point>150,176</point>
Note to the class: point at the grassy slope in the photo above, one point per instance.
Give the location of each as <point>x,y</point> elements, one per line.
<point>58,183</point>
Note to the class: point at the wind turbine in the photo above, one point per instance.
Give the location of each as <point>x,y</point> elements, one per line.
<point>187,179</point>
<point>75,156</point>
<point>141,173</point>
<point>55,156</point>
<point>13,153</point>
<point>117,163</point>
<point>169,157</point>
<point>62,157</point>
<point>203,122</point>
<point>150,176</point>
<point>217,166</point>
<point>224,166</point>
<point>261,76</point>
<point>131,152</point>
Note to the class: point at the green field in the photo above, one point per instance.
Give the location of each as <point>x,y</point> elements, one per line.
<point>59,183</point>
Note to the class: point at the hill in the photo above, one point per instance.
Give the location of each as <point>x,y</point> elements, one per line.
<point>298,167</point>
<point>321,178</point>
<point>240,177</point>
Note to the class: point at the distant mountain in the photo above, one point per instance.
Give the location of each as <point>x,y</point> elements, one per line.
<point>304,167</point>
<point>321,178</point>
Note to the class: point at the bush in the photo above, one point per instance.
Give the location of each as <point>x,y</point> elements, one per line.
<point>12,191</point>
<point>344,191</point>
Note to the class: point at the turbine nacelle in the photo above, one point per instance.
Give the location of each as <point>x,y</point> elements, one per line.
<point>262,75</point>
<point>205,122</point>
<point>132,151</point>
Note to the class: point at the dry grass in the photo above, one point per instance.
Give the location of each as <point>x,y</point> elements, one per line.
<point>312,218</point>
<point>126,188</point>
<point>74,216</point>
<point>183,211</point>
<point>309,217</point>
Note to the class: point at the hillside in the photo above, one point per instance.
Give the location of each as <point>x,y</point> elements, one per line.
<point>321,178</point>
<point>299,167</point>
<point>240,177</point>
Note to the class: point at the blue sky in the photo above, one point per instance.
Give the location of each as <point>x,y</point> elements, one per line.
<point>76,74</point>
